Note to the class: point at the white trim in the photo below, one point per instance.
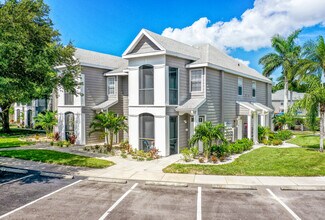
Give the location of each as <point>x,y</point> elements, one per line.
<point>190,86</point>
<point>137,39</point>
<point>213,66</point>
<point>156,53</point>
<point>116,74</point>
<point>198,204</point>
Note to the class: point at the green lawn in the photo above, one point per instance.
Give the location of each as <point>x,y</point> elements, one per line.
<point>12,139</point>
<point>55,157</point>
<point>6,142</point>
<point>306,140</point>
<point>264,161</point>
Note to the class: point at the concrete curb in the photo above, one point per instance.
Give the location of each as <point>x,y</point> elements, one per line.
<point>13,170</point>
<point>56,175</point>
<point>108,180</point>
<point>236,187</point>
<point>302,188</point>
<point>157,183</point>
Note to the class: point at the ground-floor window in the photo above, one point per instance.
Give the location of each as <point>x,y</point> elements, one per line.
<point>69,125</point>
<point>146,131</point>
<point>173,135</point>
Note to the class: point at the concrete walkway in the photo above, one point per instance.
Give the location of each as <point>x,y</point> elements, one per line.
<point>152,170</point>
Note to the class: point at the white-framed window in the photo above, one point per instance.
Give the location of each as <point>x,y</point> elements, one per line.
<point>146,85</point>
<point>201,118</point>
<point>111,85</point>
<point>196,78</point>
<point>254,89</point>
<point>173,86</point>
<point>68,98</point>
<point>240,86</point>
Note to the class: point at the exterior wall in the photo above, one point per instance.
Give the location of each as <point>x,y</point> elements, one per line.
<point>144,46</point>
<point>211,109</point>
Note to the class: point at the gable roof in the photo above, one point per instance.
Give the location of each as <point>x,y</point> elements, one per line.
<point>204,55</point>
<point>166,46</point>
<point>98,60</point>
<point>215,58</point>
<point>279,95</point>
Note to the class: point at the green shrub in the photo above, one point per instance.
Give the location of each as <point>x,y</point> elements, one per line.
<point>52,143</point>
<point>220,150</point>
<point>187,154</point>
<point>194,151</point>
<point>240,146</point>
<point>276,142</point>
<point>141,159</point>
<point>149,159</point>
<point>283,135</point>
<point>267,142</point>
<point>134,157</point>
<point>123,155</point>
<point>201,159</point>
<point>60,143</point>
<point>263,133</point>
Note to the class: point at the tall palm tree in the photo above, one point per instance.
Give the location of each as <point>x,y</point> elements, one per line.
<point>286,55</point>
<point>46,120</point>
<point>108,123</point>
<point>314,102</point>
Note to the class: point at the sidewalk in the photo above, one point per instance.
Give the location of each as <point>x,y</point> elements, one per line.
<point>152,171</point>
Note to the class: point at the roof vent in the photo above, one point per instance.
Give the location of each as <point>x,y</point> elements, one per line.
<point>238,64</point>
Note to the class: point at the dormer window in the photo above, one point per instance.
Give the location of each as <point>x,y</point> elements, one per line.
<point>111,85</point>
<point>196,80</point>
<point>253,89</point>
<point>240,86</point>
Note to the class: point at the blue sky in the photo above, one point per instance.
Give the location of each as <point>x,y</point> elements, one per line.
<point>110,26</point>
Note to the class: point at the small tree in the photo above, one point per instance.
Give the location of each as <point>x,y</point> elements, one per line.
<point>46,121</point>
<point>109,124</point>
<point>283,121</point>
<point>208,133</point>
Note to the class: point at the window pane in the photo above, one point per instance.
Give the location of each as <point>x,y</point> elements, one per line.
<point>240,90</point>
<point>68,99</point>
<point>173,134</point>
<point>196,80</point>
<point>147,131</point>
<point>173,86</point>
<point>146,84</point>
<point>111,85</point>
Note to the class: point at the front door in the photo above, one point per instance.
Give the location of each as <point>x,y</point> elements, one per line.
<point>29,118</point>
<point>69,125</point>
<point>173,135</point>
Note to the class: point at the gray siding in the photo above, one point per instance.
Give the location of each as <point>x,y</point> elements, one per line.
<point>179,63</point>
<point>183,131</point>
<point>145,45</point>
<point>212,107</point>
<point>95,93</point>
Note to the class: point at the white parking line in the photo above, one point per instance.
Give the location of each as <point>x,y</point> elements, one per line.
<point>117,202</point>
<point>15,180</point>
<point>198,204</point>
<point>43,197</point>
<point>284,205</point>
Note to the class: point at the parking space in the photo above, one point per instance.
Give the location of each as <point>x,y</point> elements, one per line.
<point>241,204</point>
<point>48,198</point>
<point>305,204</point>
<point>7,177</point>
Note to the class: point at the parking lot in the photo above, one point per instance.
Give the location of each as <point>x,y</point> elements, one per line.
<point>31,196</point>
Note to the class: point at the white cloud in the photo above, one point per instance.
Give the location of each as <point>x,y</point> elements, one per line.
<point>245,62</point>
<point>255,27</point>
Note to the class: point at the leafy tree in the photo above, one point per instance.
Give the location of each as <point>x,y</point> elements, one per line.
<point>286,56</point>
<point>208,133</point>
<point>46,120</point>
<point>109,124</point>
<point>314,102</point>
<point>30,49</point>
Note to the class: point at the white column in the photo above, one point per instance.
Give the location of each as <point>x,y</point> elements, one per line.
<point>196,120</point>
<point>239,128</point>
<point>255,128</point>
<point>263,119</point>
<point>249,125</point>
<point>134,131</point>
<point>161,135</point>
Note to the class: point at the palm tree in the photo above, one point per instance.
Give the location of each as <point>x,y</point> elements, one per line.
<point>314,102</point>
<point>286,55</point>
<point>208,133</point>
<point>46,120</point>
<point>108,123</point>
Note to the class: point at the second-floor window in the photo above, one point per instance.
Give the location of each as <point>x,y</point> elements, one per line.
<point>111,85</point>
<point>68,98</point>
<point>196,80</point>
<point>146,85</point>
<point>253,89</point>
<point>240,86</point>
<point>173,86</point>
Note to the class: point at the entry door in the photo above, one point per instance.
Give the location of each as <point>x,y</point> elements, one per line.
<point>29,118</point>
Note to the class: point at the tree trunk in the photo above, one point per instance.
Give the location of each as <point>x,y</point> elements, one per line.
<point>5,118</point>
<point>110,141</point>
<point>322,114</point>
<point>285,98</point>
